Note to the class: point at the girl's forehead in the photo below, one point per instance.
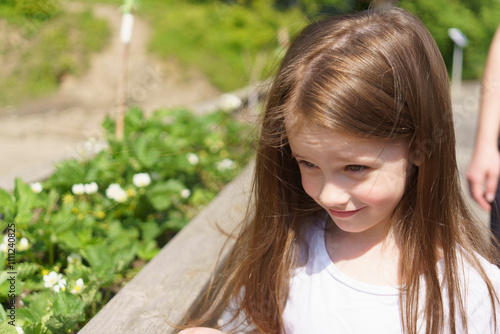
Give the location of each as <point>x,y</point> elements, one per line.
<point>311,132</point>
<point>296,125</point>
<point>312,138</point>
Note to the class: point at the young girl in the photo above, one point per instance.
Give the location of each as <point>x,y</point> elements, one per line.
<point>358,224</point>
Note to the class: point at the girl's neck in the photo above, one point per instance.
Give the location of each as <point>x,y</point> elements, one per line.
<point>367,257</point>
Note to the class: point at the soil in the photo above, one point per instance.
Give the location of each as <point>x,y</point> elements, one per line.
<point>38,133</point>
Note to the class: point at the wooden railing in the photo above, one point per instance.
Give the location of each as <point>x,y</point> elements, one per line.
<point>170,285</point>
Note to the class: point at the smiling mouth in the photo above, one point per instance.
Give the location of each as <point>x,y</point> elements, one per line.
<point>343,214</point>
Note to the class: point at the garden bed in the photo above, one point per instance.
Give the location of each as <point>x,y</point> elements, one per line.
<point>174,281</point>
<point>82,234</point>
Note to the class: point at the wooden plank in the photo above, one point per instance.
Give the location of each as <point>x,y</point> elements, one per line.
<point>172,283</point>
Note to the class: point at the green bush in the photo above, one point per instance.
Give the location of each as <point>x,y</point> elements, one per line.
<point>226,41</point>
<point>225,38</point>
<point>38,9</point>
<point>84,232</point>
<point>477,20</point>
<point>29,15</point>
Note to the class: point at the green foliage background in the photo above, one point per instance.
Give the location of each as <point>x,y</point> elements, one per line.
<point>232,41</point>
<point>54,43</point>
<point>477,19</point>
<point>225,38</point>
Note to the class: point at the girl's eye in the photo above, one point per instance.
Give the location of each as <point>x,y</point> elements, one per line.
<point>307,164</point>
<point>355,168</point>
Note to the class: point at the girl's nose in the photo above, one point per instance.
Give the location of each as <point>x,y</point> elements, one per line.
<point>333,195</point>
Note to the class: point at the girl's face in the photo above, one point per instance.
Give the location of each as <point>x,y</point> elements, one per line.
<point>358,181</point>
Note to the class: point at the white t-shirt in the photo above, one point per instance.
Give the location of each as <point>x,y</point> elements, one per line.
<point>324,300</point>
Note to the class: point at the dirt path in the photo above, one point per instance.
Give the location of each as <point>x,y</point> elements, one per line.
<point>38,133</point>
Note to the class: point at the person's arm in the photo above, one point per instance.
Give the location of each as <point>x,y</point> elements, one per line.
<point>484,168</point>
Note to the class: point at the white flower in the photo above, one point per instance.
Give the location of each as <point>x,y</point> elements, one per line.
<point>78,286</point>
<point>116,193</point>
<point>74,258</point>
<point>141,180</point>
<point>121,197</point>
<point>20,330</point>
<point>91,188</point>
<point>61,285</point>
<point>52,279</point>
<point>78,189</point>
<point>193,158</point>
<point>229,102</point>
<point>4,244</point>
<point>23,244</point>
<point>185,193</point>
<point>36,187</point>
<point>93,147</point>
<point>225,164</point>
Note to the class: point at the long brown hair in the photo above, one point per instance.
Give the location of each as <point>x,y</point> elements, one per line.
<point>377,74</point>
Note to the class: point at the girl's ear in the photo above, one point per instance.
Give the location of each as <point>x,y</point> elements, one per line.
<point>415,160</point>
<point>415,157</point>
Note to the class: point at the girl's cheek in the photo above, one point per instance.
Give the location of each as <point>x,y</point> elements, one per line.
<point>373,191</point>
<point>309,187</point>
<point>383,191</point>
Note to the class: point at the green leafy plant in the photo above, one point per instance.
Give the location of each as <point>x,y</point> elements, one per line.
<point>84,232</point>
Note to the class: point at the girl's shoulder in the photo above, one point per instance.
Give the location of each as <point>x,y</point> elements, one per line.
<point>470,266</point>
<point>471,270</point>
<point>491,270</point>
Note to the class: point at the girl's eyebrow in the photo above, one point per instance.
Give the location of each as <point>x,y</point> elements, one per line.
<point>299,156</point>
<point>356,159</point>
<point>294,155</point>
